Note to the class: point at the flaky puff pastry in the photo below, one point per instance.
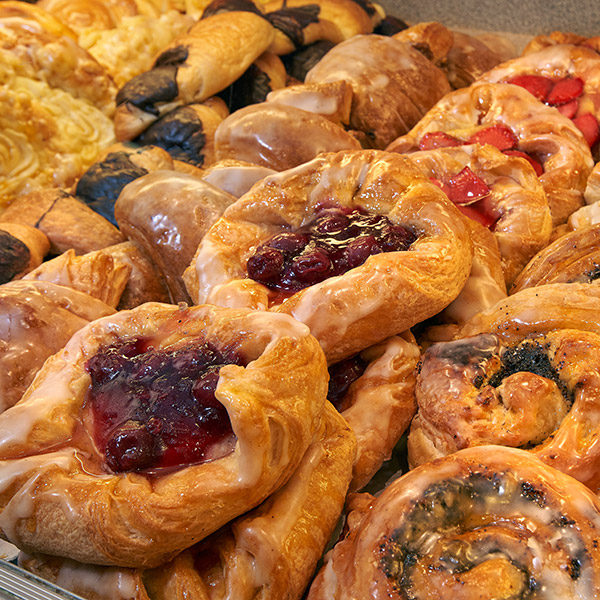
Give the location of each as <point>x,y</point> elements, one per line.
<point>37,319</point>
<point>22,249</point>
<point>58,495</point>
<point>195,66</point>
<point>524,386</point>
<point>270,552</point>
<point>387,294</point>
<point>540,130</point>
<point>486,522</point>
<point>394,85</point>
<point>515,201</point>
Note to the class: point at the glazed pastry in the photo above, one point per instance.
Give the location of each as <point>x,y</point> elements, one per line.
<point>278,136</point>
<point>508,117</point>
<point>271,550</point>
<point>573,257</point>
<point>433,40</point>
<point>235,177</point>
<point>22,248</point>
<point>146,480</point>
<point>501,192</point>
<point>486,522</point>
<point>194,67</point>
<point>394,84</point>
<point>301,61</point>
<point>564,76</point>
<point>273,249</point>
<point>167,213</point>
<point>38,318</point>
<point>187,132</point>
<point>34,17</point>
<point>374,392</point>
<point>100,186</point>
<point>554,38</point>
<point>97,274</point>
<point>527,389</point>
<point>65,220</point>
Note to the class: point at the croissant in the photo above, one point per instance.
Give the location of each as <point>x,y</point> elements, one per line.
<point>146,480</point>
<point>483,522</point>
<point>239,263</point>
<point>508,117</point>
<point>22,248</point>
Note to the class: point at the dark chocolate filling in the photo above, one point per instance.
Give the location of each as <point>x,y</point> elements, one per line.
<point>14,256</point>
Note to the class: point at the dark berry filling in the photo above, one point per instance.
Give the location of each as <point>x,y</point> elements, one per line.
<point>155,407</point>
<point>341,376</point>
<point>339,239</point>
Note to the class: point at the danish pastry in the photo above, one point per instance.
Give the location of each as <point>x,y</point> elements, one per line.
<point>499,191</point>
<point>358,245</point>
<point>38,318</point>
<point>483,522</point>
<point>508,117</point>
<point>22,249</point>
<point>235,177</point>
<point>394,85</point>
<point>91,478</point>
<point>167,213</point>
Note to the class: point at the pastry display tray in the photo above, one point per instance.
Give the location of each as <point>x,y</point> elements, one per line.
<point>518,21</point>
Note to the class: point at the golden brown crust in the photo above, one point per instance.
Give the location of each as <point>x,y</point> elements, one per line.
<point>484,520</point>
<point>278,136</point>
<point>516,199</point>
<point>412,84</point>
<point>67,222</point>
<point>36,241</point>
<point>432,39</point>
<point>39,317</point>
<point>129,519</point>
<point>540,130</point>
<point>386,295</point>
<point>167,213</point>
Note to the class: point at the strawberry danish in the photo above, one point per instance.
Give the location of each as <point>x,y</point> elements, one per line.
<point>486,522</point>
<point>525,383</point>
<point>508,117</point>
<point>209,429</point>
<point>358,245</point>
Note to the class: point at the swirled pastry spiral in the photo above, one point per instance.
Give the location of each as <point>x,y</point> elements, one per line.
<point>484,522</point>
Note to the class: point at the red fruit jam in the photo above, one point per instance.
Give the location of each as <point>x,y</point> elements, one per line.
<point>155,407</point>
<point>339,239</point>
<point>341,376</point>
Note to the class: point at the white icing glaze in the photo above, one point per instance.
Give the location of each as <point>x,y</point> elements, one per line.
<point>585,216</point>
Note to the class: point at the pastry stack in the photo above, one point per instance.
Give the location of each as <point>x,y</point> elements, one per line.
<point>297,301</point>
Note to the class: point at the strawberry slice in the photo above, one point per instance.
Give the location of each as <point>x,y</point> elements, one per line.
<point>478,213</point>
<point>537,166</point>
<point>569,109</point>
<point>438,139</point>
<point>537,85</point>
<point>565,90</point>
<point>588,125</point>
<point>441,184</point>
<point>496,135</point>
<point>466,187</point>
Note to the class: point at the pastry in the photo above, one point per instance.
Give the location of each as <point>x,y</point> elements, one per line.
<point>484,522</point>
<point>394,85</point>
<point>508,117</point>
<point>65,220</point>
<point>272,249</point>
<point>195,66</point>
<point>270,551</point>
<point>278,136</point>
<point>22,248</point>
<point>145,479</point>
<point>38,318</point>
<point>573,257</point>
<point>499,191</point>
<point>374,392</point>
<point>235,177</point>
<point>564,76</point>
<point>167,213</point>
<point>530,388</point>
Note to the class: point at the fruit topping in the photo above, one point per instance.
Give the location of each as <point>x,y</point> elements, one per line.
<point>438,139</point>
<point>536,164</point>
<point>496,135</point>
<point>537,85</point>
<point>466,187</point>
<point>341,376</point>
<point>588,125</point>
<point>569,109</point>
<point>339,239</point>
<point>565,90</point>
<point>155,407</point>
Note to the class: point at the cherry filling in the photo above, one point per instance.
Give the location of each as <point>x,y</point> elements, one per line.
<point>154,408</point>
<point>564,94</point>
<point>499,136</point>
<point>341,376</point>
<point>339,239</point>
